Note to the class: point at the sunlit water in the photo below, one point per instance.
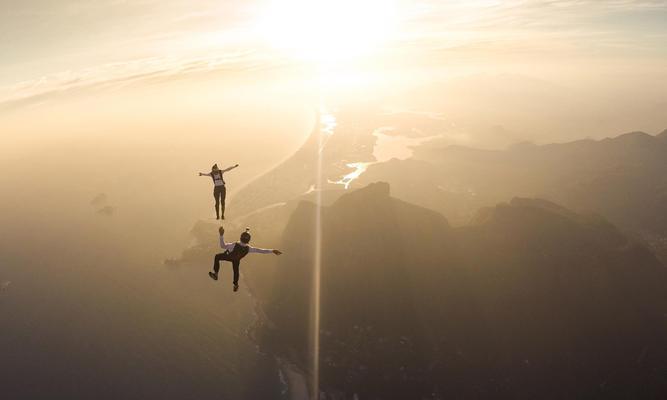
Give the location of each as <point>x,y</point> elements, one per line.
<point>359,168</point>
<point>387,147</point>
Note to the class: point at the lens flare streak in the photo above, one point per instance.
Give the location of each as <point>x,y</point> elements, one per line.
<point>326,130</point>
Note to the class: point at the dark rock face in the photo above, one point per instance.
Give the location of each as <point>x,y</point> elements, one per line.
<point>530,301</point>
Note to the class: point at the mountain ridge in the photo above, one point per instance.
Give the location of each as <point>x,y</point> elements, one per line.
<point>533,291</point>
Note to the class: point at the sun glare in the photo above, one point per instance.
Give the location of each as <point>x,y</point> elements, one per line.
<point>330,31</point>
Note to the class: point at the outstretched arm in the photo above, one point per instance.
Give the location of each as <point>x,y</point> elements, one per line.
<point>203,174</point>
<point>230,168</point>
<point>263,251</point>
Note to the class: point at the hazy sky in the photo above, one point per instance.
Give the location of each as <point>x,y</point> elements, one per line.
<point>59,46</point>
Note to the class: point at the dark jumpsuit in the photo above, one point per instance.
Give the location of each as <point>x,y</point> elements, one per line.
<point>235,256</point>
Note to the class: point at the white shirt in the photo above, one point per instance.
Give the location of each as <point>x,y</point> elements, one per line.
<point>230,246</point>
<point>218,180</point>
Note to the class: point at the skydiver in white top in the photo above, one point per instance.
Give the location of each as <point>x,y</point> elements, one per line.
<point>219,189</point>
<point>234,252</point>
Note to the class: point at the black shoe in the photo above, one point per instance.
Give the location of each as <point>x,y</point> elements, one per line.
<point>223,217</point>
<point>213,276</point>
<point>236,287</point>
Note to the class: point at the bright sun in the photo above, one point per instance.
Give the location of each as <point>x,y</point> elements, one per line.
<point>330,31</point>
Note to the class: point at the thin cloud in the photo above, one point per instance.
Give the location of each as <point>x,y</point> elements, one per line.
<point>576,28</point>
<point>117,75</point>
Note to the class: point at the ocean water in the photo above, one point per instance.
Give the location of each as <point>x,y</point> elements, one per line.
<point>386,147</point>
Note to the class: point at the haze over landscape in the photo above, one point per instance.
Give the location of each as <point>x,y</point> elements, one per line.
<point>470,196</point>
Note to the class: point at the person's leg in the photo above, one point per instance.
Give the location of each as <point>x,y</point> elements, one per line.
<point>235,265</point>
<point>223,194</point>
<point>216,196</point>
<point>216,265</point>
<point>216,262</point>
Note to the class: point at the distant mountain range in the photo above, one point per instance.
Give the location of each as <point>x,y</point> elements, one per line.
<point>623,179</point>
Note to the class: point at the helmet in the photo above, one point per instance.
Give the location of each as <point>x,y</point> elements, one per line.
<point>245,236</point>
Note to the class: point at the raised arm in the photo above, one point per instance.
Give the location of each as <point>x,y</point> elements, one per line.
<point>223,244</point>
<point>230,168</point>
